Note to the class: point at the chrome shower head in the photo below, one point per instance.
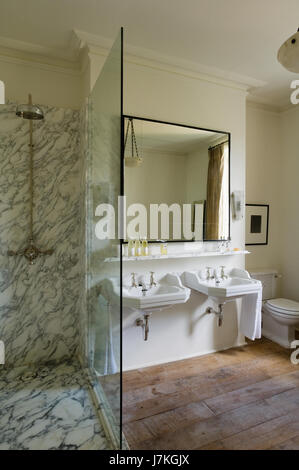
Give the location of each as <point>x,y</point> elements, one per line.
<point>29,111</point>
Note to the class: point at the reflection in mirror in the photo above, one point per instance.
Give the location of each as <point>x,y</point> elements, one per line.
<point>178,173</point>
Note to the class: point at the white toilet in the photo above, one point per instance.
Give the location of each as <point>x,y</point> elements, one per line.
<point>280,316</point>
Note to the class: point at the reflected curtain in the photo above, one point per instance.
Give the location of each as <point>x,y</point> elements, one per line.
<point>214,191</point>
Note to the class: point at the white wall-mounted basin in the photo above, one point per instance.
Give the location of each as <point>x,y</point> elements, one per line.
<point>238,284</point>
<point>155,298</point>
<point>168,291</point>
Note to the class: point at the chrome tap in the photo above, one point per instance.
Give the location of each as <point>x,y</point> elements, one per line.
<point>134,283</point>
<point>152,280</point>
<point>209,276</point>
<point>223,275</point>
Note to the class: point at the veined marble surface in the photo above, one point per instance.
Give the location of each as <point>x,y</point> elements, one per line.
<point>39,304</point>
<point>48,408</point>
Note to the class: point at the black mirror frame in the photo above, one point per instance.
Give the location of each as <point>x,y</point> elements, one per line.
<point>125,116</point>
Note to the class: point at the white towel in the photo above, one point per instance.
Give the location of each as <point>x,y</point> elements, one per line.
<point>251,315</point>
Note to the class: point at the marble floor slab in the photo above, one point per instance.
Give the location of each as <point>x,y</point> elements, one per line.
<point>49,407</point>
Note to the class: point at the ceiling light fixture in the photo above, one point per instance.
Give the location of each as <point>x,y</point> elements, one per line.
<point>288,54</point>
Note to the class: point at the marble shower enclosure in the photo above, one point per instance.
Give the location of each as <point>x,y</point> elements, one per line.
<point>39,304</point>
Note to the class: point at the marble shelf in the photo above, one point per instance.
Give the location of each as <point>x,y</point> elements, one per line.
<point>186,254</point>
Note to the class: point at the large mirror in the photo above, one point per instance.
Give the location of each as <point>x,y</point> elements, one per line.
<point>176,181</point>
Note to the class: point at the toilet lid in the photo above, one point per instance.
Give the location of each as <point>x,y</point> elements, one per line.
<point>284,304</point>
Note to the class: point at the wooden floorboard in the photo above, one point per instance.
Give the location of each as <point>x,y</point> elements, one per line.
<point>266,435</point>
<point>241,398</point>
<point>154,375</point>
<point>289,444</point>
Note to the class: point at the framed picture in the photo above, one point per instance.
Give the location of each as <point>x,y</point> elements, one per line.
<point>257,222</point>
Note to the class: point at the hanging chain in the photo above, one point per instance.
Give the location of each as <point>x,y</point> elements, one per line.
<point>127,131</point>
<point>133,138</point>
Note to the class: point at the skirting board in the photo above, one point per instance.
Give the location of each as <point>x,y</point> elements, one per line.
<point>157,363</point>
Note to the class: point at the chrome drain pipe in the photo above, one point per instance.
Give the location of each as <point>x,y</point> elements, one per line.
<point>219,314</point>
<point>144,323</point>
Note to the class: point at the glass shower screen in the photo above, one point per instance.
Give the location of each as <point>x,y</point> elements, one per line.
<point>103,254</point>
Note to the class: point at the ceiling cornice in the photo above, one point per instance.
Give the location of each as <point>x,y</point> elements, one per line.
<point>251,103</point>
<point>263,106</point>
<point>290,107</point>
<point>83,45</point>
<point>97,45</point>
<point>58,60</point>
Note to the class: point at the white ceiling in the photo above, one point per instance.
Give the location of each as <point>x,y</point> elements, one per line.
<point>236,36</point>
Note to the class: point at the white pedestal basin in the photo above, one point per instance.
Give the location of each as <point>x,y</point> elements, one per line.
<point>156,298</point>
<point>237,284</point>
<point>168,291</point>
<point>144,297</point>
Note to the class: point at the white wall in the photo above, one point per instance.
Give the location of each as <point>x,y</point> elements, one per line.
<point>264,166</point>
<point>272,167</point>
<point>146,182</point>
<point>52,86</point>
<point>185,331</point>
<point>290,200</point>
